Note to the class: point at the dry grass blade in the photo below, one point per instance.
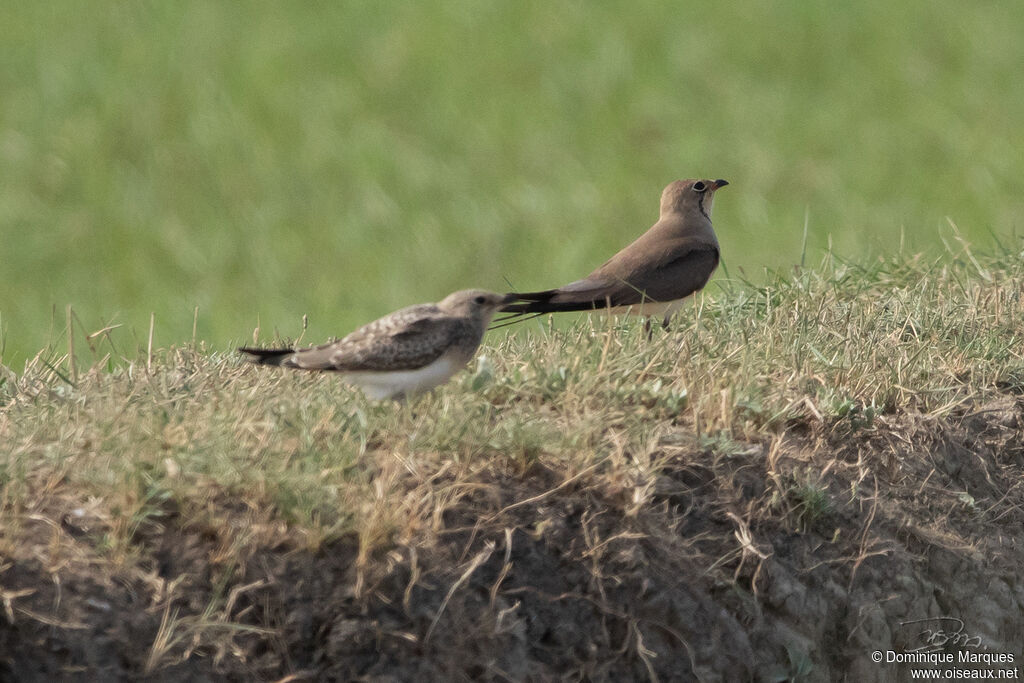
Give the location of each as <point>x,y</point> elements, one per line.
<point>477,560</point>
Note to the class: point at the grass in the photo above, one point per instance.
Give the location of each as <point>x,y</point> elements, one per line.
<point>846,344</point>
<point>341,162</point>
<point>779,406</point>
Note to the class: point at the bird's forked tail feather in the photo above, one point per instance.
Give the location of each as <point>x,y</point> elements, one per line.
<point>541,302</point>
<point>266,356</point>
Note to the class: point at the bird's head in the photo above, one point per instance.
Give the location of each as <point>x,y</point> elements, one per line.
<point>687,196</point>
<point>475,303</point>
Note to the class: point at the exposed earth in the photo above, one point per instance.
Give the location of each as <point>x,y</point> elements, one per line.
<point>791,558</point>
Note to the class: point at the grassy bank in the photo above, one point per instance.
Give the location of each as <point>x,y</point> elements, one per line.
<point>796,467</point>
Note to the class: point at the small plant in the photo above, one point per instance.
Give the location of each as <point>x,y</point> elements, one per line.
<point>858,415</point>
<point>812,504</point>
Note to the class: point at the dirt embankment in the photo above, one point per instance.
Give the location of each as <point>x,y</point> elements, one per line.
<point>794,557</point>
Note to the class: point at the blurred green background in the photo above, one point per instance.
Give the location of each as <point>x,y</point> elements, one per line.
<point>267,160</point>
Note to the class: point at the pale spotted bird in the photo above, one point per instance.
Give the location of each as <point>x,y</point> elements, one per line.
<point>653,275</point>
<point>402,354</point>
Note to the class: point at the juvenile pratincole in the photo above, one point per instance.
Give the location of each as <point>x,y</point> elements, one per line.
<point>402,354</point>
<point>653,275</point>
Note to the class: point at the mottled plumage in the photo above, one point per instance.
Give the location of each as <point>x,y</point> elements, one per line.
<point>651,276</point>
<point>407,352</point>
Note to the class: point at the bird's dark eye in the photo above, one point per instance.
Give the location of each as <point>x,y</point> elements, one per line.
<point>480,300</point>
<point>699,186</point>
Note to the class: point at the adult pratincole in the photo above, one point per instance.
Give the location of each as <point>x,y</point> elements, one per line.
<point>654,274</point>
<point>407,352</point>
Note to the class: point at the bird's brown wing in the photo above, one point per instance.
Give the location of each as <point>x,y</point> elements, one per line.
<point>681,268</point>
<point>408,346</point>
<point>404,340</point>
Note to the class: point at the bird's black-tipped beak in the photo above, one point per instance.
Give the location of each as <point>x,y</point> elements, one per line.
<point>510,298</point>
<point>719,184</point>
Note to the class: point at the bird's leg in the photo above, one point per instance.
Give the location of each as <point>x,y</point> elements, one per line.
<point>665,321</point>
<point>647,328</point>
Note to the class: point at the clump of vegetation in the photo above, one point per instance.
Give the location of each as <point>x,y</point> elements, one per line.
<point>775,461</point>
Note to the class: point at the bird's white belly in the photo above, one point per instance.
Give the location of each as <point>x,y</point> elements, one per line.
<point>399,383</point>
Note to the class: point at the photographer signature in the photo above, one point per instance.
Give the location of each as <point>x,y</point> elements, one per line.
<point>934,639</point>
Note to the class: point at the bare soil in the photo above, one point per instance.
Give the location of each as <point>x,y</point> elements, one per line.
<point>793,556</point>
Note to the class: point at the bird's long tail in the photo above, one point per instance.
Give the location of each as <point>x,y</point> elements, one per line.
<point>542,302</point>
<point>531,304</point>
<point>266,356</point>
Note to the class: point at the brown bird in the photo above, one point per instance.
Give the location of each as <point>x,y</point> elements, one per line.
<point>405,353</point>
<point>653,275</point>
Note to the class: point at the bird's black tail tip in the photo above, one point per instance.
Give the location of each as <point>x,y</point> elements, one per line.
<point>265,356</point>
<point>517,308</point>
<point>526,302</point>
